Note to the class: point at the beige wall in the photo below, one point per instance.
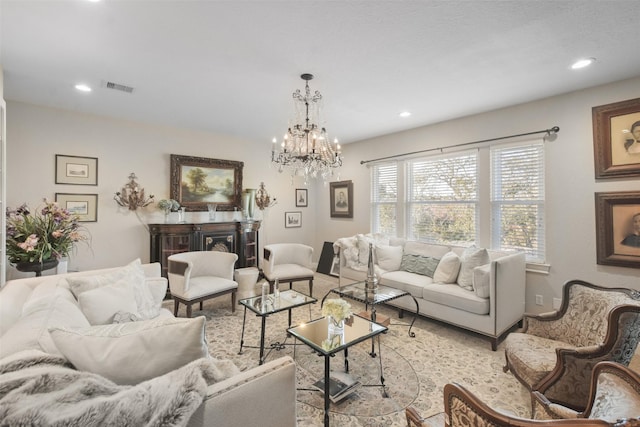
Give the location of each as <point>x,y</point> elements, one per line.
<point>570,206</point>
<point>36,134</point>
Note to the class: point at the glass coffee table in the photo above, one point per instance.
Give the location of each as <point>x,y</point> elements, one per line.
<point>320,335</point>
<point>358,292</point>
<point>288,300</point>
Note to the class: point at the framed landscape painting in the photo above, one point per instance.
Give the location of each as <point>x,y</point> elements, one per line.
<point>199,181</point>
<point>618,228</point>
<point>616,139</point>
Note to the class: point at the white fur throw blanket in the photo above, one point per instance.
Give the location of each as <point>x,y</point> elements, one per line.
<point>40,389</point>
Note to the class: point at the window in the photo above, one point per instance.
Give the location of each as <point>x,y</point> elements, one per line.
<point>517,199</point>
<point>384,198</point>
<point>442,199</point>
<point>491,197</point>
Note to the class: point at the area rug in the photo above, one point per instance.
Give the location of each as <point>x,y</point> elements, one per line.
<point>439,354</point>
<point>401,381</point>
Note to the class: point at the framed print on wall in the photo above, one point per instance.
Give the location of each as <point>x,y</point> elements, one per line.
<point>618,228</point>
<point>76,170</point>
<point>292,219</point>
<point>83,205</point>
<point>341,199</point>
<point>616,139</point>
<point>199,181</point>
<point>301,198</point>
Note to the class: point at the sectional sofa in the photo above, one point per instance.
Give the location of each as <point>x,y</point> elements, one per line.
<point>49,323</point>
<point>472,288</point>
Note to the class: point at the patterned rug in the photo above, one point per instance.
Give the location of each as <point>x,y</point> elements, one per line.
<point>415,369</point>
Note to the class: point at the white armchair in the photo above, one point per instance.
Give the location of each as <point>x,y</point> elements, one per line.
<point>198,276</point>
<point>288,262</point>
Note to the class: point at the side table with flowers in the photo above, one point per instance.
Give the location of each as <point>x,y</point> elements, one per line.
<point>36,242</point>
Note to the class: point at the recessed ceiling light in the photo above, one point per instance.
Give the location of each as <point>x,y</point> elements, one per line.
<point>405,114</point>
<point>583,63</point>
<point>83,88</point>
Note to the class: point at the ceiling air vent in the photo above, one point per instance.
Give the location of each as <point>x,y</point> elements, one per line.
<point>117,86</point>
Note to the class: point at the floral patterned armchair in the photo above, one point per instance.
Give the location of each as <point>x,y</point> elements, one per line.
<point>614,401</point>
<point>556,352</point>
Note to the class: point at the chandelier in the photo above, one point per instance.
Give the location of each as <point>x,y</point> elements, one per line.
<point>305,148</point>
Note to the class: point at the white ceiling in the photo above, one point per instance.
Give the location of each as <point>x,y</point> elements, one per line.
<point>230,66</point>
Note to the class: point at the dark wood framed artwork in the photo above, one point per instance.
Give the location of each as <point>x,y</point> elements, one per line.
<point>618,228</point>
<point>199,181</point>
<point>292,219</point>
<point>76,170</point>
<point>616,139</point>
<point>83,205</point>
<point>341,199</point>
<point>301,198</point>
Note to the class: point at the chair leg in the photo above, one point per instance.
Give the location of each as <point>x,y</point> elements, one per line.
<point>311,287</point>
<point>189,311</point>
<point>175,307</point>
<point>233,301</point>
<point>200,305</point>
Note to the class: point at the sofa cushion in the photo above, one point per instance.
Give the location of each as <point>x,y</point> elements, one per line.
<point>30,332</point>
<point>389,258</point>
<point>481,280</point>
<point>454,296</point>
<point>101,304</point>
<point>129,353</point>
<point>418,264</point>
<point>471,258</point>
<point>133,274</point>
<point>448,268</point>
<point>425,249</point>
<point>405,281</point>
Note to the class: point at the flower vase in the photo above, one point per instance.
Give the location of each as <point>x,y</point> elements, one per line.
<point>249,202</point>
<point>336,326</point>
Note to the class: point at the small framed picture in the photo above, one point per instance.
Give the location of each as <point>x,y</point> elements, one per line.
<point>83,205</point>
<point>76,170</point>
<point>618,228</point>
<point>301,198</point>
<point>341,199</point>
<point>292,219</point>
<point>616,139</point>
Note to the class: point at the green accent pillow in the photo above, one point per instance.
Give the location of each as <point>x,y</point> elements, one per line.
<point>424,265</point>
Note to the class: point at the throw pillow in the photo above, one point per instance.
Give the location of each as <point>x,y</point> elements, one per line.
<point>425,266</point>
<point>133,274</point>
<point>101,304</point>
<point>481,280</point>
<point>363,248</point>
<point>389,257</point>
<point>30,332</point>
<point>129,353</point>
<point>448,268</point>
<point>471,258</point>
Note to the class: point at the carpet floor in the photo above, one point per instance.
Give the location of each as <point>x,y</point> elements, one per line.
<point>439,354</point>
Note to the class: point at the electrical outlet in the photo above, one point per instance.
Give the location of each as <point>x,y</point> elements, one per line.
<point>556,303</point>
<point>539,300</point>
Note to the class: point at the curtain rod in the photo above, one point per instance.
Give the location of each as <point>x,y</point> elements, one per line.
<point>553,130</point>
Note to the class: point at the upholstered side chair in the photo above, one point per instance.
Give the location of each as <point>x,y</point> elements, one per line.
<point>555,353</point>
<point>288,262</point>
<point>198,276</point>
<point>614,400</point>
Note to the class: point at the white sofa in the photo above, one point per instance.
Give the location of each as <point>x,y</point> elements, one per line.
<point>263,395</point>
<point>491,302</point>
